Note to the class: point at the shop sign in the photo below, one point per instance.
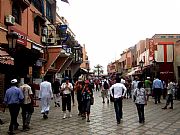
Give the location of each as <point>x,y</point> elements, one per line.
<point>22,37</point>
<point>151,49</point>
<point>63,28</point>
<point>166,72</point>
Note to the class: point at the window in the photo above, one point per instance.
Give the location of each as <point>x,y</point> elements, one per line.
<point>170,36</point>
<point>48,11</point>
<point>38,5</point>
<point>163,36</point>
<point>178,71</point>
<point>16,12</point>
<point>36,26</point>
<point>177,36</point>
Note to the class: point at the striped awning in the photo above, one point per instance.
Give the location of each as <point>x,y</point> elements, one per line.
<point>5,58</point>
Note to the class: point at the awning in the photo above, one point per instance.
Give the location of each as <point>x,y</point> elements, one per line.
<point>5,58</point>
<point>133,71</point>
<point>53,54</point>
<point>84,70</point>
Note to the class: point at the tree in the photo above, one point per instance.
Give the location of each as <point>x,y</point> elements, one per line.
<point>98,69</point>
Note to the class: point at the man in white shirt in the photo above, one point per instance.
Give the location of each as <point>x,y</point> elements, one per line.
<point>116,91</point>
<point>66,89</point>
<point>45,95</point>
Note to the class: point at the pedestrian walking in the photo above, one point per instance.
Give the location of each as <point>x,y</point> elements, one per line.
<point>13,98</point>
<point>45,96</point>
<point>128,86</point>
<point>170,91</point>
<point>164,90</point>
<point>87,95</point>
<point>56,92</point>
<point>118,91</point>
<point>140,100</point>
<point>66,89</point>
<point>134,85</point>
<point>178,90</point>
<point>78,90</point>
<point>104,91</point>
<point>157,89</point>
<point>27,106</point>
<point>2,108</point>
<point>72,92</point>
<point>148,84</point>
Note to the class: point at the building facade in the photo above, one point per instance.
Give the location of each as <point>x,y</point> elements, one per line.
<point>35,42</point>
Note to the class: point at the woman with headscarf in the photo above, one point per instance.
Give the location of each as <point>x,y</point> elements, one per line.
<point>87,95</point>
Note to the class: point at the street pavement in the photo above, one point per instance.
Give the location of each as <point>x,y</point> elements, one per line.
<point>103,122</point>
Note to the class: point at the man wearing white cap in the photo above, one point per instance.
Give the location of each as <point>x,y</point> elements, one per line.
<point>13,98</point>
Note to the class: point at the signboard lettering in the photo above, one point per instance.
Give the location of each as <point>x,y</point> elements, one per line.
<point>151,49</point>
<point>22,37</point>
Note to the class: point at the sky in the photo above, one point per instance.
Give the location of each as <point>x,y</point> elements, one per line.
<point>108,27</point>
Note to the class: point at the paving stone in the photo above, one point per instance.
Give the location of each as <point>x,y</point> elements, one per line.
<point>103,120</point>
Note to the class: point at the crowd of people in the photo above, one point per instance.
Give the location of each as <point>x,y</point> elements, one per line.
<point>112,89</point>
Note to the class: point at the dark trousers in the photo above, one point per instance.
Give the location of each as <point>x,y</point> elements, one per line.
<point>140,109</point>
<point>86,106</point>
<point>97,89</point>
<point>66,102</point>
<point>26,114</point>
<point>169,100</point>
<point>72,95</point>
<point>157,95</point>
<point>79,100</point>
<point>14,111</point>
<point>118,108</point>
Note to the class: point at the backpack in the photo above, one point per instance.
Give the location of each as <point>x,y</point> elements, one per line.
<point>105,85</point>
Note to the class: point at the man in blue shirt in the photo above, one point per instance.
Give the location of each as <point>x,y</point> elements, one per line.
<point>13,98</point>
<point>157,88</point>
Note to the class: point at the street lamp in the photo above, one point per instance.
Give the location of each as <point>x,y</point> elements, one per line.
<point>154,62</point>
<point>141,64</point>
<point>12,38</point>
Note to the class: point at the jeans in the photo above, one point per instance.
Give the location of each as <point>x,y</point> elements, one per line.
<point>26,114</point>
<point>140,109</point>
<point>169,100</point>
<point>118,108</point>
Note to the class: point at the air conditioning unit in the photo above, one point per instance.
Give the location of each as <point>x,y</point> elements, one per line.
<point>43,39</point>
<point>44,32</point>
<point>51,40</point>
<point>10,20</point>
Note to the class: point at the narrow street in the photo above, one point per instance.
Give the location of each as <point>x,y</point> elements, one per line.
<point>158,121</point>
